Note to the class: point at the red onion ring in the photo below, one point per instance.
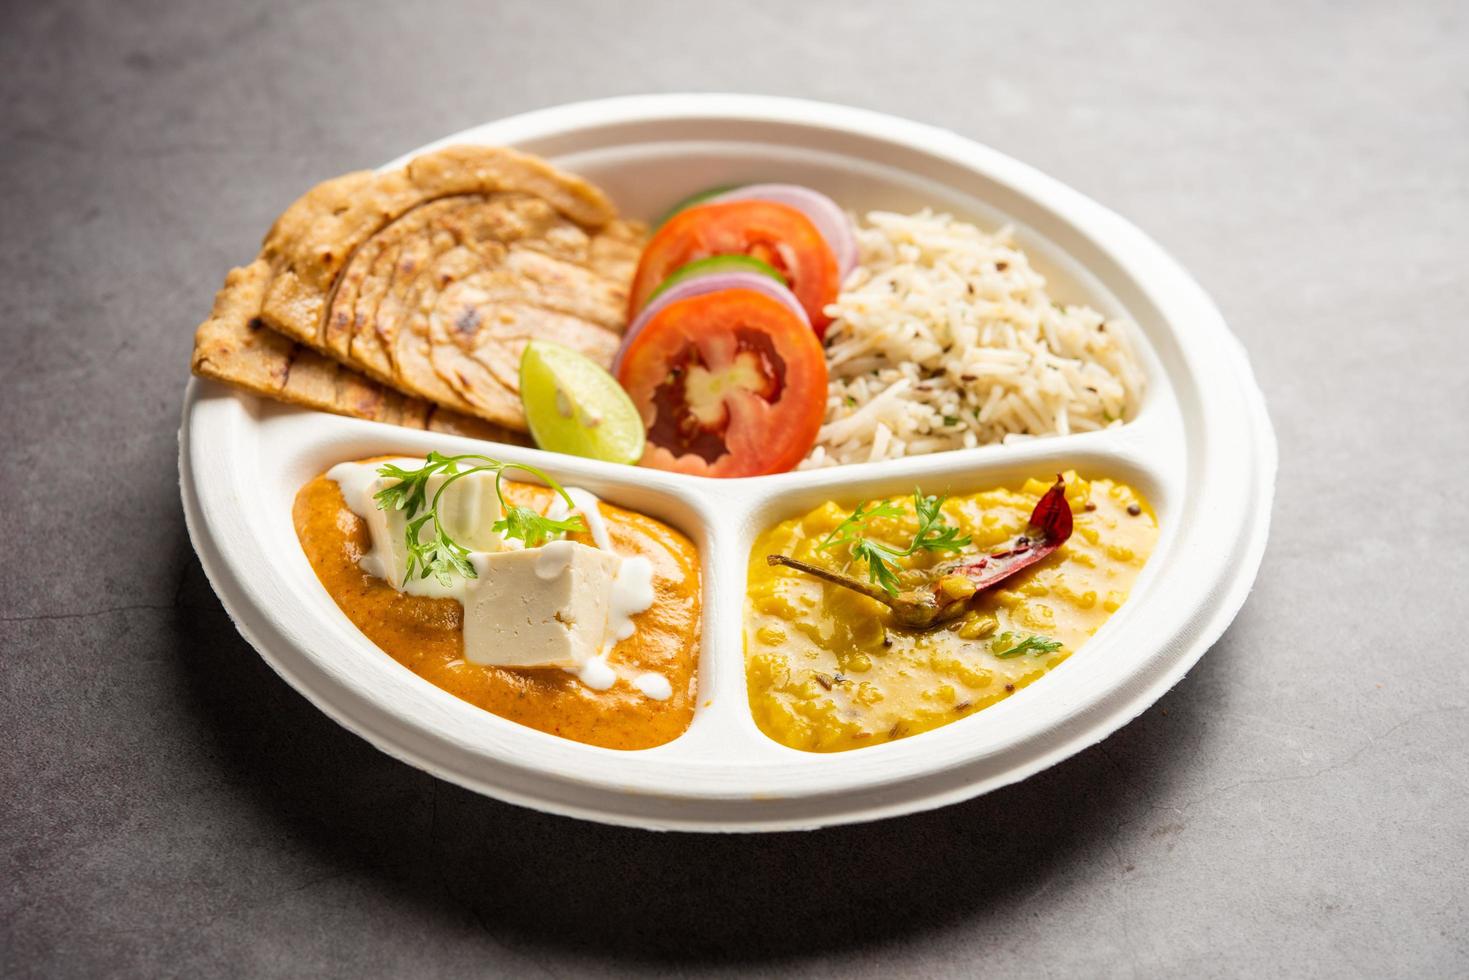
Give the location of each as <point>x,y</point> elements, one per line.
<point>822,211</point>
<point>712,283</point>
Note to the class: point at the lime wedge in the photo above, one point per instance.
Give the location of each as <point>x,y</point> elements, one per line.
<point>575,407</point>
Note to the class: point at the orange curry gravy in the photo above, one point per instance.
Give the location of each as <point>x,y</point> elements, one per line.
<point>426,636</point>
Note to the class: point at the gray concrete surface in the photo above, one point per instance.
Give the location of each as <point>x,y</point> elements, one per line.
<point>1296,807</point>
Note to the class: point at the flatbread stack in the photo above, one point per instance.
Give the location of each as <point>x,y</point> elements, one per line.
<point>408,297</point>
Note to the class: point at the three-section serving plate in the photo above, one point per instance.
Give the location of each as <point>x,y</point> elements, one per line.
<point>1201,449</point>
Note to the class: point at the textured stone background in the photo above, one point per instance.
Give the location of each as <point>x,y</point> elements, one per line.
<point>1298,805</point>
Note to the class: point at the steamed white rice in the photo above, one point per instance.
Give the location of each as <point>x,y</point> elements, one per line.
<point>944,337</point>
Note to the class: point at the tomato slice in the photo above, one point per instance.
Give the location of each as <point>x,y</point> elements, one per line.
<point>730,383</point>
<point>776,234</point>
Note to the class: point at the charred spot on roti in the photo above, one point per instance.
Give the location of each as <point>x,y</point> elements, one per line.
<point>467,322</point>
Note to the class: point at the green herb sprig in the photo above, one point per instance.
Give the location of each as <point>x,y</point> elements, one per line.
<point>1035,643</point>
<point>442,556</point>
<point>934,533</point>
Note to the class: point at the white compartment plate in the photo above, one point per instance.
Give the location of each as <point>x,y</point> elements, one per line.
<point>1201,449</point>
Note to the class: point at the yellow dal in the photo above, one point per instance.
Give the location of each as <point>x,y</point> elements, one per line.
<point>802,635</point>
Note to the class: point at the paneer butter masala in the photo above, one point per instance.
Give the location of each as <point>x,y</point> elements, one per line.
<point>542,605</point>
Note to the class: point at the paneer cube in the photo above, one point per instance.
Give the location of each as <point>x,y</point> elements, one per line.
<point>540,607</point>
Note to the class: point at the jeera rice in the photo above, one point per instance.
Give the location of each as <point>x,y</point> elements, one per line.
<point>944,337</point>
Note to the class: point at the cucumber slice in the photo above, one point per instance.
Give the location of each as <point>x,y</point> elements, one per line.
<point>718,263</point>
<point>690,201</point>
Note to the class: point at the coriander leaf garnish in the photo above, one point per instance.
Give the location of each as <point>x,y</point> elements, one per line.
<point>881,562</point>
<point>533,528</point>
<point>1035,643</point>
<point>935,533</point>
<point>852,528</point>
<point>442,556</point>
